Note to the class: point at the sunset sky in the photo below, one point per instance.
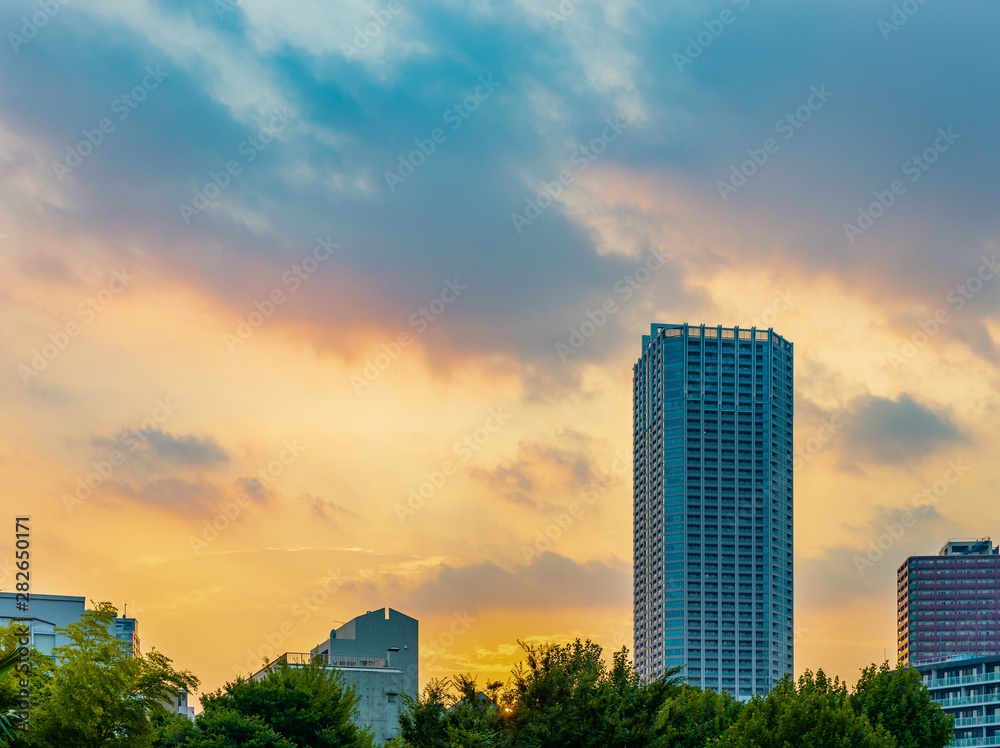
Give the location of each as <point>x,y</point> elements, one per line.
<point>371,279</point>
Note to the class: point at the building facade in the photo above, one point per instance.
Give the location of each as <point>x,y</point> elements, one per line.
<point>968,688</point>
<point>712,506</point>
<point>384,633</point>
<point>379,687</point>
<point>127,632</point>
<point>45,613</point>
<point>949,604</point>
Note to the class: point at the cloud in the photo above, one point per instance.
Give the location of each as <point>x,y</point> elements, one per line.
<point>186,496</point>
<point>187,450</point>
<point>326,508</point>
<point>540,472</point>
<point>862,571</point>
<point>880,430</point>
<point>173,494</point>
<point>550,581</point>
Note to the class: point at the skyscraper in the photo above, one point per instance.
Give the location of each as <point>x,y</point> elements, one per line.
<point>712,506</point>
<point>947,605</point>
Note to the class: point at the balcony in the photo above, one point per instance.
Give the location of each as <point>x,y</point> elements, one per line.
<point>967,722</point>
<point>993,698</point>
<point>963,680</point>
<point>300,659</point>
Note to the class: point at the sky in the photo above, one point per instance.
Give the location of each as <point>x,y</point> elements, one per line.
<point>313,308</point>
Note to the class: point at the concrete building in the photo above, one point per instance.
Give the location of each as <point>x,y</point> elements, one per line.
<point>712,506</point>
<point>968,688</point>
<point>377,654</point>
<point>45,613</point>
<point>127,632</point>
<point>379,687</point>
<point>384,633</point>
<point>949,604</point>
<point>179,705</point>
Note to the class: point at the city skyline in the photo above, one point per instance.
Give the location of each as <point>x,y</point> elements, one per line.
<point>309,309</point>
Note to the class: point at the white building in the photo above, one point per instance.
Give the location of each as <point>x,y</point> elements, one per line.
<point>968,688</point>
<point>45,613</point>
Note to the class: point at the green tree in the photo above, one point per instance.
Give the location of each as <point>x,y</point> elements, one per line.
<point>223,728</point>
<point>171,729</point>
<point>99,694</point>
<point>635,705</point>
<point>897,700</point>
<point>817,714</point>
<point>307,706</point>
<point>40,668</point>
<point>694,718</point>
<point>423,723</point>
<point>566,696</point>
<point>453,714</point>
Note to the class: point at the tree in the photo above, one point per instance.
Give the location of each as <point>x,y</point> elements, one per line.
<point>171,729</point>
<point>14,677</point>
<point>694,718</point>
<point>565,695</point>
<point>39,673</point>
<point>635,705</point>
<point>453,714</point>
<point>817,714</point>
<point>99,694</point>
<point>898,700</point>
<point>224,728</point>
<point>306,706</point>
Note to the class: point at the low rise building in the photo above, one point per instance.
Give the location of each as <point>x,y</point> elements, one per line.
<point>378,686</point>
<point>968,688</point>
<point>377,655</point>
<point>127,632</point>
<point>379,633</point>
<point>44,615</point>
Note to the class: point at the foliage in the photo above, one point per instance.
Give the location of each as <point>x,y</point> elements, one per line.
<point>897,700</point>
<point>818,714</point>
<point>453,714</point>
<point>171,730</point>
<point>40,668</point>
<point>224,728</point>
<point>694,718</point>
<point>306,706</point>
<point>565,695</point>
<point>99,694</point>
<point>559,696</point>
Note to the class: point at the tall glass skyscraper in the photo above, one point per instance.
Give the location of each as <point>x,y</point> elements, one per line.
<point>712,506</point>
